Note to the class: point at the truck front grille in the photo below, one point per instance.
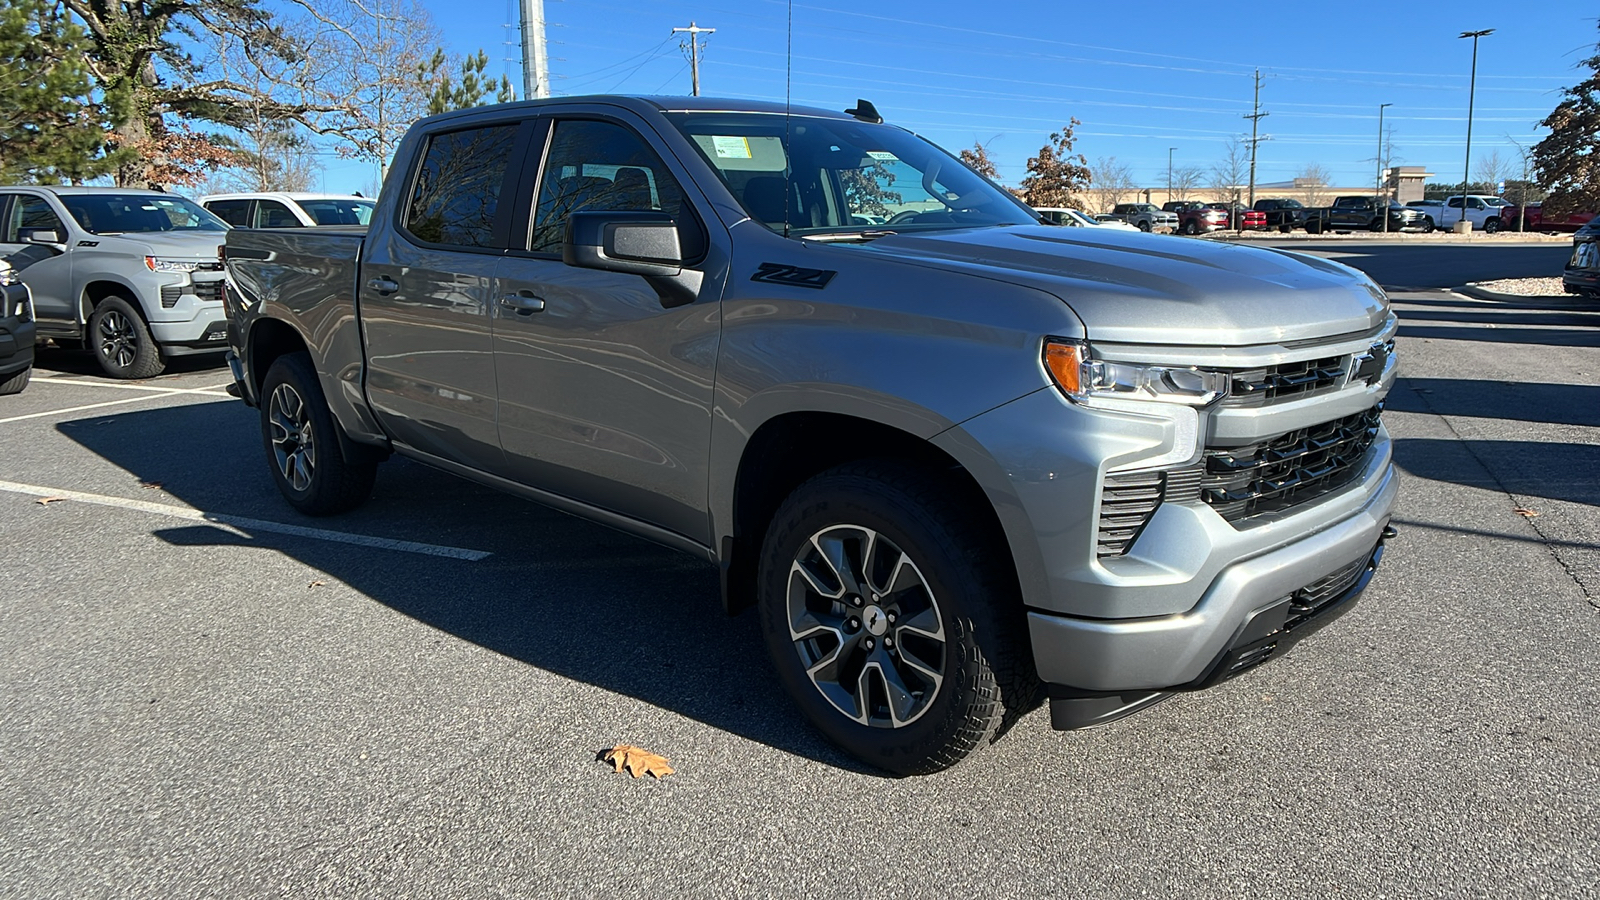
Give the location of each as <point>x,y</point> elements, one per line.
<point>1270,384</point>
<point>1127,501</point>
<point>1289,469</point>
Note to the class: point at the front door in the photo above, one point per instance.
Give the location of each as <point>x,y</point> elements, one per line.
<point>427,294</point>
<point>605,393</point>
<point>48,271</point>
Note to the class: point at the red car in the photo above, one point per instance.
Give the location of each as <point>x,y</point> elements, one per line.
<point>1537,221</point>
<point>1200,218</point>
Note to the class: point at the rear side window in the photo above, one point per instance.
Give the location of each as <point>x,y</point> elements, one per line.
<point>604,166</point>
<point>456,195</point>
<point>234,212</point>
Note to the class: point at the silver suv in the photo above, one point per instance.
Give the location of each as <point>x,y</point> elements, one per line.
<point>132,274</point>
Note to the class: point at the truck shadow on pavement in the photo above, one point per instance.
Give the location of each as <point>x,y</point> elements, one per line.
<point>558,593</point>
<point>1558,404</point>
<point>1554,471</point>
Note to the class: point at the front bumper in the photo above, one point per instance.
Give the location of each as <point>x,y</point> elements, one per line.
<point>17,330</point>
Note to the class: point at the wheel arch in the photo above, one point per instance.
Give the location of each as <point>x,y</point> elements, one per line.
<point>790,448</point>
<point>95,292</point>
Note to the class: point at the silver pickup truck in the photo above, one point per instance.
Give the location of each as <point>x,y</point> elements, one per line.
<point>131,274</point>
<point>951,456</point>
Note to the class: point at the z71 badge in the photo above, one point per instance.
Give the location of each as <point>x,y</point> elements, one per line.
<point>794,276</point>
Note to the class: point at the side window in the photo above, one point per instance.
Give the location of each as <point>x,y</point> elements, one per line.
<point>272,214</point>
<point>1454,203</point>
<point>604,166</point>
<point>29,214</point>
<point>457,192</point>
<point>1475,203</point>
<point>234,212</point>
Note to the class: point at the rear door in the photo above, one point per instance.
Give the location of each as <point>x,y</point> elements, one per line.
<point>605,393</point>
<point>427,293</point>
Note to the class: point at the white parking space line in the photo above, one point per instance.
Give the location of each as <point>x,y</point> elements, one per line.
<point>244,526</point>
<point>163,392</point>
<point>218,389</point>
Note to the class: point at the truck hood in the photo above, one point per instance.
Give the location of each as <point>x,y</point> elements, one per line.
<point>168,244</point>
<point>1161,289</point>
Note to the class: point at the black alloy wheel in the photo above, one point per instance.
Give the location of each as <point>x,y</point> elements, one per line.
<point>302,444</point>
<point>122,341</point>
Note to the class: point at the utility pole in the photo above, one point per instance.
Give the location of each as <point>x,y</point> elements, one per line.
<point>1255,121</point>
<point>1377,192</point>
<point>693,47</point>
<point>1169,173</point>
<point>535,57</point>
<point>1472,92</point>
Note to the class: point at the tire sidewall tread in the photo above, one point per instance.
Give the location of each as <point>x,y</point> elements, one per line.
<point>147,360</point>
<point>336,485</point>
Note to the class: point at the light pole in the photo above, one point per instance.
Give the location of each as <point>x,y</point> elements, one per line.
<point>1169,173</point>
<point>1472,92</point>
<point>1377,194</point>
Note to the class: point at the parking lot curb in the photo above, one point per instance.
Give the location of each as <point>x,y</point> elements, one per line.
<point>1479,293</point>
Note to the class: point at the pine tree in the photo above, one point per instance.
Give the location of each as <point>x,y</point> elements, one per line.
<point>51,130</point>
<point>1567,161</point>
<point>472,90</point>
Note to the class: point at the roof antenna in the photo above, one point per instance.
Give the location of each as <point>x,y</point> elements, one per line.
<point>788,152</point>
<point>866,112</point>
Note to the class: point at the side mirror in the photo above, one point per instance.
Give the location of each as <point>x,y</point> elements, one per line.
<point>42,236</point>
<point>633,242</point>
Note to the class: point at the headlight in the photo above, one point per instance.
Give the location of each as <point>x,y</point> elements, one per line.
<point>156,264</point>
<point>1084,378</point>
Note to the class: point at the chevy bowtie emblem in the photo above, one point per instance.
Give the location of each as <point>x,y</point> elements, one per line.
<point>1369,366</point>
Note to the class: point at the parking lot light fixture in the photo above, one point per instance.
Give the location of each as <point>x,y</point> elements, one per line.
<point>1472,90</point>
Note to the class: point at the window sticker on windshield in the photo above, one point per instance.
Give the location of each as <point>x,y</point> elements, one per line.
<point>883,155</point>
<point>731,147</point>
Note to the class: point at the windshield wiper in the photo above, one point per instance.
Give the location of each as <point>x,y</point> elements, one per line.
<point>865,234</point>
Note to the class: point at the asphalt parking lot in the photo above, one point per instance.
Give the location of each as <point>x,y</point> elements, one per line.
<point>207,695</point>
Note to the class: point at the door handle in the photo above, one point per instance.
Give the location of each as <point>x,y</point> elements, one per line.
<point>384,284</point>
<point>523,303</point>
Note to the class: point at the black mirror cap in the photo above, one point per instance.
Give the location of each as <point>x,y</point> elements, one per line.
<point>636,242</point>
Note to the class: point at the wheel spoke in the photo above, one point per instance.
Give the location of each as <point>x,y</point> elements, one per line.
<point>815,583</point>
<point>901,700</point>
<point>926,623</point>
<point>834,554</point>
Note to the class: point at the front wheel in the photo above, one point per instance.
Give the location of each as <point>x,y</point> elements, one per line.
<point>1314,227</point>
<point>16,382</point>
<point>893,619</point>
<point>1285,228</point>
<point>1144,226</point>
<point>302,446</point>
<point>1190,227</point>
<point>1427,225</point>
<point>122,341</point>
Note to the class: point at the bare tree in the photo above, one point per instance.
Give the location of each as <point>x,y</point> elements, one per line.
<point>978,160</point>
<point>1229,172</point>
<point>1113,182</point>
<point>1312,182</point>
<point>1186,181</point>
<point>1493,168</point>
<point>1057,175</point>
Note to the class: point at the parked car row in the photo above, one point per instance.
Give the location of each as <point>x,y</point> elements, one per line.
<point>1582,272</point>
<point>133,275</point>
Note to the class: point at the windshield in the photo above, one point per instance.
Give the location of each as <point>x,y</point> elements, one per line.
<point>806,175</point>
<point>339,211</point>
<point>138,213</point>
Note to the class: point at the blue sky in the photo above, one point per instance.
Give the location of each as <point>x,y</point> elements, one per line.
<point>1142,77</point>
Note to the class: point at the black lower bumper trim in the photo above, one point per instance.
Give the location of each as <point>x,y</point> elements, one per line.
<point>1266,634</point>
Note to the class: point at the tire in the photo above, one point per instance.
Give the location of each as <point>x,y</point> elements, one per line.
<point>298,433</point>
<point>1145,227</point>
<point>1490,226</point>
<point>122,342</point>
<point>1314,227</point>
<point>1285,228</point>
<point>1427,225</point>
<point>1191,227</point>
<point>16,382</point>
<point>959,650</point>
<point>1375,225</point>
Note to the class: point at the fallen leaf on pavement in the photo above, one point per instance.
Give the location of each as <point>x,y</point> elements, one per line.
<point>150,485</point>
<point>636,760</point>
<point>318,583</point>
<point>1526,513</point>
<point>46,501</point>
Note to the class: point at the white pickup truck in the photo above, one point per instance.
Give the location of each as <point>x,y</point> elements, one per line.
<point>1487,214</point>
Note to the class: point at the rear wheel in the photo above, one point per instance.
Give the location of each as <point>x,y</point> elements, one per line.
<point>1314,226</point>
<point>1285,228</point>
<point>892,619</point>
<point>302,446</point>
<point>1490,226</point>
<point>122,341</point>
